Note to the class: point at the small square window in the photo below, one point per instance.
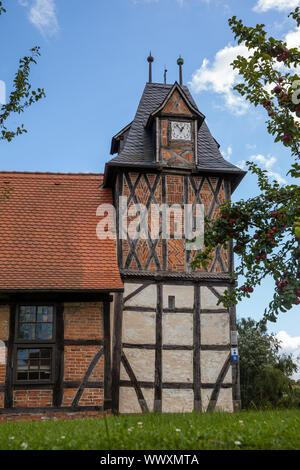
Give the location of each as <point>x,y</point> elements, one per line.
<point>35,323</point>
<point>32,365</point>
<point>171,301</point>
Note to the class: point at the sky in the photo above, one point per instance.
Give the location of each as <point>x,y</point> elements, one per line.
<point>93,68</point>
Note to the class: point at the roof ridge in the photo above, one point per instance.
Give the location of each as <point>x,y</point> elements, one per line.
<point>160,84</point>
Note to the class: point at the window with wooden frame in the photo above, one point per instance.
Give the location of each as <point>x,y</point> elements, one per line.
<point>34,344</point>
<point>171,301</point>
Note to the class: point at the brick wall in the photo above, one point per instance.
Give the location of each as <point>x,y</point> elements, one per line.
<point>78,359</point>
<point>89,397</point>
<point>32,398</point>
<point>176,105</point>
<point>83,320</point>
<point>175,187</point>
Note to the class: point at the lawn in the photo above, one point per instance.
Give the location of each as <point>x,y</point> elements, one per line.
<point>278,429</point>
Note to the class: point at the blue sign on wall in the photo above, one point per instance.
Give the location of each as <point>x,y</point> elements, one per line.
<point>234,354</point>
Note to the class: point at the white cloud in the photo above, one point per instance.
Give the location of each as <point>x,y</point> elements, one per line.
<point>277,176</point>
<point>42,14</point>
<point>227,153</point>
<point>241,164</point>
<point>265,5</point>
<point>251,146</point>
<point>218,75</point>
<point>267,163</point>
<point>293,38</point>
<point>220,78</point>
<point>290,345</point>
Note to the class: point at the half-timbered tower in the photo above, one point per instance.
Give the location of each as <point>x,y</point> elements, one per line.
<point>172,342</point>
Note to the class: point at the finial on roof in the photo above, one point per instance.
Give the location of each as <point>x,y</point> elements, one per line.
<point>165,75</point>
<point>150,59</point>
<point>180,62</point>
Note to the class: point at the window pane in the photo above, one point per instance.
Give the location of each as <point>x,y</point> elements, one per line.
<point>44,375</point>
<point>27,331</point>
<point>33,376</point>
<point>44,331</point>
<point>22,376</point>
<point>32,366</point>
<point>45,314</point>
<point>22,364</point>
<point>34,353</point>
<point>27,313</point>
<point>22,353</point>
<point>45,363</point>
<point>45,353</point>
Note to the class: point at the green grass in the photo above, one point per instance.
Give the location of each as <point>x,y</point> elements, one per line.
<point>278,429</point>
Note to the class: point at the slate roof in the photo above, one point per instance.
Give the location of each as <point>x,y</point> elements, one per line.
<point>48,234</point>
<point>138,147</point>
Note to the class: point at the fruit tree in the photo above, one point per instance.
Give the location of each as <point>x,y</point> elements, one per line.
<point>265,230</point>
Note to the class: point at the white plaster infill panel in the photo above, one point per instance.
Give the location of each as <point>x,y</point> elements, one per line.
<point>130,287</point>
<point>129,401</point>
<point>209,300</point>
<point>224,402</point>
<point>184,296</point>
<point>177,328</point>
<point>215,328</point>
<point>205,397</point>
<point>211,365</point>
<point>145,298</point>
<point>177,366</point>
<point>142,362</point>
<point>138,327</point>
<point>177,401</point>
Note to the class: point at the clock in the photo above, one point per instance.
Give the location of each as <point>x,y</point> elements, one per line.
<point>181,130</point>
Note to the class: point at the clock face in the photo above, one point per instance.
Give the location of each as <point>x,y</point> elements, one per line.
<point>181,130</point>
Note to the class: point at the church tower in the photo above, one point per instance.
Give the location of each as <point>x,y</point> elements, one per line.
<point>172,343</point>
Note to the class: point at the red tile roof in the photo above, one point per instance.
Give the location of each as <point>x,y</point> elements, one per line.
<point>48,233</point>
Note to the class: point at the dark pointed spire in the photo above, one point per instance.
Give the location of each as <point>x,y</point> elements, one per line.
<point>180,62</point>
<point>150,59</point>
